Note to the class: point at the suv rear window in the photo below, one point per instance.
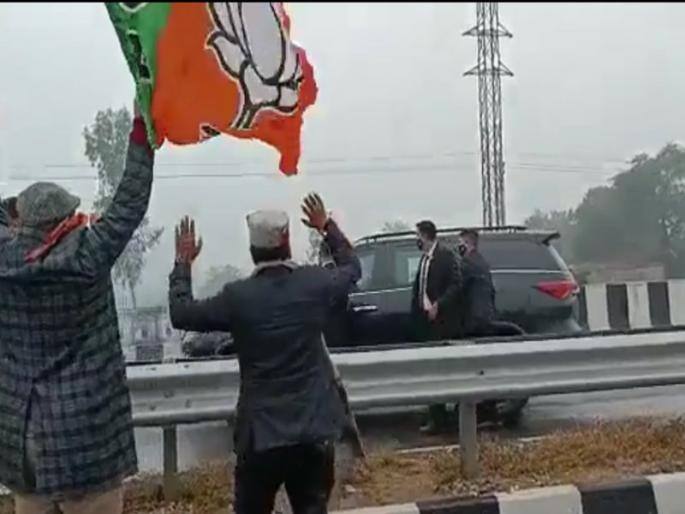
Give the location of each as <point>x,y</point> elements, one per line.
<point>520,254</point>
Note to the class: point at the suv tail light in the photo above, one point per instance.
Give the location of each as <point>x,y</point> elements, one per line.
<point>559,289</point>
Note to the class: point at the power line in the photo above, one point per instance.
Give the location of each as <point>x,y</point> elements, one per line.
<point>565,167</point>
<point>575,157</point>
<point>332,160</point>
<point>526,167</point>
<point>327,160</point>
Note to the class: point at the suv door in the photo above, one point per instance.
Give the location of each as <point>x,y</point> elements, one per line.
<point>380,310</point>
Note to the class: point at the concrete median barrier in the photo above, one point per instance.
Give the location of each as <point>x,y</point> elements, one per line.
<point>632,305</point>
<point>657,494</point>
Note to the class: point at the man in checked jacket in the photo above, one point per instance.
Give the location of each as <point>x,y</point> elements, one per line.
<point>66,435</point>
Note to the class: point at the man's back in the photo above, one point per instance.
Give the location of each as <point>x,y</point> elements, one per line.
<point>61,355</point>
<point>49,307</point>
<point>277,318</point>
<point>289,411</point>
<point>62,373</point>
<point>479,291</point>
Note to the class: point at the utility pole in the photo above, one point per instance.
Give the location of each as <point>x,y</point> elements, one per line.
<point>489,70</point>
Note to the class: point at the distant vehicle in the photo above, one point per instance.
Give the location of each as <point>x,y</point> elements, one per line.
<point>210,344</point>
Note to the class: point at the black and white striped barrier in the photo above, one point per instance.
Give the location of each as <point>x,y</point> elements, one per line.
<point>659,494</point>
<point>632,305</point>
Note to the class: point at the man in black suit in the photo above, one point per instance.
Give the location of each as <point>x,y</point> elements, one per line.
<point>479,312</point>
<point>437,287</point>
<point>436,293</point>
<point>479,291</point>
<point>289,411</point>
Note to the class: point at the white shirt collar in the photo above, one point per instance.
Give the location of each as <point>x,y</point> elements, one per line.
<point>430,252</point>
<point>273,264</point>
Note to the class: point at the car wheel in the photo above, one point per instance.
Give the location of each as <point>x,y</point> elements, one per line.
<point>510,412</point>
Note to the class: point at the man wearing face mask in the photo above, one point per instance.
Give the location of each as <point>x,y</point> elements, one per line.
<point>435,297</point>
<point>437,287</point>
<point>479,291</point>
<point>479,315</point>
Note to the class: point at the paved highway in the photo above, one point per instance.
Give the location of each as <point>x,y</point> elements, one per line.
<point>399,429</point>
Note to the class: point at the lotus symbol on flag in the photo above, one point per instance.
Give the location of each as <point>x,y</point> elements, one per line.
<point>252,47</point>
<point>132,7</point>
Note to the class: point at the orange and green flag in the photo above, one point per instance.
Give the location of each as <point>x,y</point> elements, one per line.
<point>207,68</point>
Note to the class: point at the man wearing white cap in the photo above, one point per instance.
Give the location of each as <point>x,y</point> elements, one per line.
<point>289,411</point>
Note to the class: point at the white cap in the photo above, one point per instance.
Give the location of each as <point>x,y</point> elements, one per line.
<point>268,229</point>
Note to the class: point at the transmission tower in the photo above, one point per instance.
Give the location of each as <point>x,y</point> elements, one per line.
<point>489,70</point>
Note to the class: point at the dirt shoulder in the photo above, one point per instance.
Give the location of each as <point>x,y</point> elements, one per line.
<point>595,453</point>
<point>588,454</point>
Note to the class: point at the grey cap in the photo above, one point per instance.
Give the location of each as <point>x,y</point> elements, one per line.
<point>44,202</point>
<point>268,229</point>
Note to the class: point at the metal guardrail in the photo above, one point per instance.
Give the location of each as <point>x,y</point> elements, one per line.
<point>190,392</point>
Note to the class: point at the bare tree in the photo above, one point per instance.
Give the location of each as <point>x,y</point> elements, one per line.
<point>216,278</point>
<point>106,141</point>
<point>315,240</point>
<point>395,226</point>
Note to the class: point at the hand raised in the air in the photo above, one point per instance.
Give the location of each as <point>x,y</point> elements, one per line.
<point>187,246</point>
<point>315,213</point>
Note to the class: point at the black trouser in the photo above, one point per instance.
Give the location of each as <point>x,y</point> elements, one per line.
<point>437,413</point>
<point>306,470</point>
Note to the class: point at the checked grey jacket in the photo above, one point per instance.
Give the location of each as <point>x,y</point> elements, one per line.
<point>60,349</point>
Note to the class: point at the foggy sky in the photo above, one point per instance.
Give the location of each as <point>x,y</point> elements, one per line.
<point>594,84</point>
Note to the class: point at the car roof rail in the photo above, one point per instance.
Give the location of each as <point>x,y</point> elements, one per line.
<point>448,230</point>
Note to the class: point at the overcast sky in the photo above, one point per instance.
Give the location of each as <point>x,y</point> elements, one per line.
<point>594,84</point>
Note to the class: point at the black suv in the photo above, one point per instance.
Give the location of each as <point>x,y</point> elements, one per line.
<point>534,287</point>
<point>534,290</point>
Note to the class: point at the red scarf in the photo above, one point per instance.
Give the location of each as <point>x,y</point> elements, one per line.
<point>65,228</point>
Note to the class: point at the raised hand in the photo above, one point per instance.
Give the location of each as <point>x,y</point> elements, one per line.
<point>315,213</point>
<point>187,247</point>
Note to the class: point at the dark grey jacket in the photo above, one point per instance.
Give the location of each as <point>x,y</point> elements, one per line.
<point>60,350</point>
<point>277,317</point>
<point>479,294</point>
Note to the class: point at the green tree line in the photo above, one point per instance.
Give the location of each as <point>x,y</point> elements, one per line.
<point>637,218</point>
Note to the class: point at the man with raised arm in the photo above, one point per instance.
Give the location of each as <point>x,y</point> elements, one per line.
<point>289,413</point>
<point>66,434</point>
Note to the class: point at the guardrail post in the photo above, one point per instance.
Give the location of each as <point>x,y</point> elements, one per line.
<point>170,458</point>
<point>468,439</point>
